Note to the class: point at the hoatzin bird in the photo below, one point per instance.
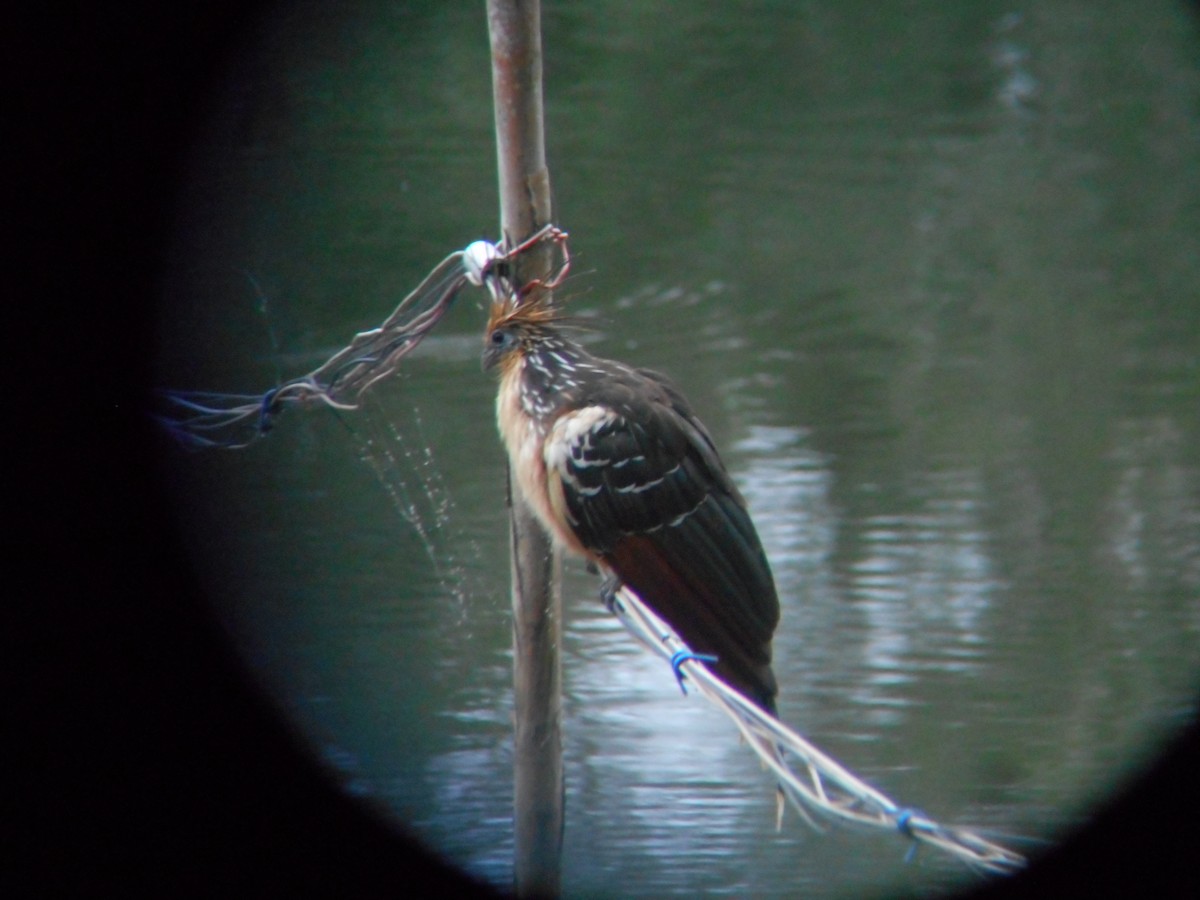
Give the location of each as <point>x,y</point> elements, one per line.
<point>619,470</point>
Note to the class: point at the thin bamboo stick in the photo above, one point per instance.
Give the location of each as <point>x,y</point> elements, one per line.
<point>515,31</point>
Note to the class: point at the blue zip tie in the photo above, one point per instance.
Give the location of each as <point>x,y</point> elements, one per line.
<point>266,409</point>
<point>904,820</point>
<point>682,656</point>
<point>904,823</point>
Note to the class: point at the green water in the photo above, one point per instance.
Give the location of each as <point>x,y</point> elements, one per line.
<point>927,271</point>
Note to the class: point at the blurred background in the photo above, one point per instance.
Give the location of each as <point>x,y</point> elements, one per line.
<point>927,273</point>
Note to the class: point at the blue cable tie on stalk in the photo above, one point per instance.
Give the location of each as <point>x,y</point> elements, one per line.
<point>267,409</point>
<point>906,826</point>
<point>682,656</point>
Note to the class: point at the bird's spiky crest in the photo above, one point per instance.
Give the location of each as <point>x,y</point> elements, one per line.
<point>535,310</point>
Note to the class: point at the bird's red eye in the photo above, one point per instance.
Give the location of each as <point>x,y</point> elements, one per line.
<point>499,338</point>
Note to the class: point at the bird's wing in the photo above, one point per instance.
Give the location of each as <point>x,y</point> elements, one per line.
<point>636,479</point>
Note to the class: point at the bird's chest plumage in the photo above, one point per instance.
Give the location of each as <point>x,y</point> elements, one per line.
<point>521,431</point>
<point>525,411</point>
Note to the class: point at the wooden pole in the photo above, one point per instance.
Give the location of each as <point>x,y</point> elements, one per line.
<point>515,30</point>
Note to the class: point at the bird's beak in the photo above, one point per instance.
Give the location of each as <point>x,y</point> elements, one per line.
<point>491,356</point>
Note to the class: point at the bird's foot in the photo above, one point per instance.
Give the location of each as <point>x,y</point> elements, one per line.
<point>609,589</point>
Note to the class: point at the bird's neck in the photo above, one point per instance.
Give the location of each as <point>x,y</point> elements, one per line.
<point>552,377</point>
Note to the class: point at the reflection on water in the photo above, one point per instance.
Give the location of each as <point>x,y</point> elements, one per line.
<point>926,275</point>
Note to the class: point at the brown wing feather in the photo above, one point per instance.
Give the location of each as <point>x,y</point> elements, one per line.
<point>645,492</point>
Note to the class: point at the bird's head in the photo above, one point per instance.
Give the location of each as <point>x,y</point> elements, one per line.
<point>516,328</point>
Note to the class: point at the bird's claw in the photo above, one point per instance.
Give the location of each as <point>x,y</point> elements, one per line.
<point>609,588</point>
